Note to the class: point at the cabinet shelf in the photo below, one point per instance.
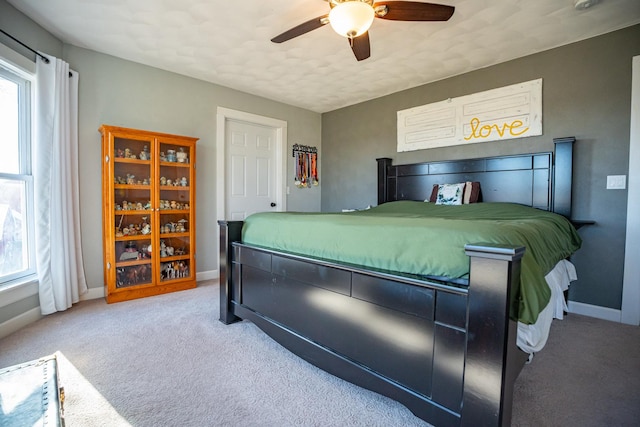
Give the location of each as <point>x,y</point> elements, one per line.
<point>132,187</point>
<point>133,237</point>
<point>119,212</point>
<point>169,235</point>
<point>176,164</point>
<point>136,182</point>
<point>174,188</point>
<point>175,211</point>
<point>146,261</point>
<point>174,258</point>
<point>131,161</point>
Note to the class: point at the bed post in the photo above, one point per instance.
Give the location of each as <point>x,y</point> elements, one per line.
<point>493,360</point>
<point>563,174</point>
<point>383,171</point>
<point>230,231</point>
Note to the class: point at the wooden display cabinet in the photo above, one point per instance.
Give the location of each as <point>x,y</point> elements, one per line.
<point>148,219</point>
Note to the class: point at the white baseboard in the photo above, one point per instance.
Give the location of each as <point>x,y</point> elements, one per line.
<point>93,293</point>
<point>598,312</point>
<point>20,321</point>
<point>206,275</point>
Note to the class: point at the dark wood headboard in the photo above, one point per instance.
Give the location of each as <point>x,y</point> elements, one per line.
<point>541,180</point>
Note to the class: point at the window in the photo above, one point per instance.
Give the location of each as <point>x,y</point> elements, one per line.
<point>17,255</point>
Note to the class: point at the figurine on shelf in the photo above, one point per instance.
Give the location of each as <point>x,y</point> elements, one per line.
<point>119,232</point>
<point>163,158</point>
<point>163,180</point>
<point>166,271</point>
<point>183,181</point>
<point>144,154</point>
<point>130,252</point>
<point>132,276</point>
<point>127,153</point>
<point>183,270</point>
<point>131,179</point>
<point>182,156</point>
<point>171,155</point>
<point>146,228</point>
<point>144,273</point>
<point>119,153</point>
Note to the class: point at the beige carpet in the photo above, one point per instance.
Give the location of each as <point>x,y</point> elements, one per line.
<point>168,361</point>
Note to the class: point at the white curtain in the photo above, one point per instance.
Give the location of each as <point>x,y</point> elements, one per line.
<point>56,199</point>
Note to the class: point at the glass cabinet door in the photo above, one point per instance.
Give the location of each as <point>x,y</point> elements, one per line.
<point>175,204</point>
<point>133,218</point>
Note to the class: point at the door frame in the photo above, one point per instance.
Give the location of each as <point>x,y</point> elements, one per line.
<point>280,127</point>
<point>630,312</point>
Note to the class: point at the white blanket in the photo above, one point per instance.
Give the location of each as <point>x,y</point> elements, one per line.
<point>532,338</point>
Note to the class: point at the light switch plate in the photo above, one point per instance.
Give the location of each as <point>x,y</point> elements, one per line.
<point>616,182</point>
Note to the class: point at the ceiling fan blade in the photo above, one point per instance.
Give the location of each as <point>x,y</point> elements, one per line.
<point>413,11</point>
<point>301,29</point>
<point>360,46</point>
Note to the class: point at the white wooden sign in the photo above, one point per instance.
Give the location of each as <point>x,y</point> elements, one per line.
<point>505,113</point>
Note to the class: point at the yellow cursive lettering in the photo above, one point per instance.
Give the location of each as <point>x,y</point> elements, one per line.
<point>485,131</point>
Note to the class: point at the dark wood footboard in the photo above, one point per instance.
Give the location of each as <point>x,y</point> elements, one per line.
<point>447,352</point>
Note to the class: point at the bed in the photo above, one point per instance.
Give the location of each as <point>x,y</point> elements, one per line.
<point>443,343</point>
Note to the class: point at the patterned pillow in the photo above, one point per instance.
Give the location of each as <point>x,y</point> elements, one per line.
<point>471,192</point>
<point>450,194</point>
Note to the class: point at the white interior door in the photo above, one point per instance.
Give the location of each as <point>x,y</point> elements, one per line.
<point>242,167</point>
<point>251,169</point>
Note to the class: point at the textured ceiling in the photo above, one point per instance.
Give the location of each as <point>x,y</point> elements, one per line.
<point>228,42</point>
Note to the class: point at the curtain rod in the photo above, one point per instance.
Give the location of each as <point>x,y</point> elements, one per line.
<point>44,58</point>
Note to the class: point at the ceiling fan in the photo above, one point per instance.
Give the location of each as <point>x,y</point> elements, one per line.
<point>352,19</point>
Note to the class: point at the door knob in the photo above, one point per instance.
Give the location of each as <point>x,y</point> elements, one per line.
<point>273,205</point>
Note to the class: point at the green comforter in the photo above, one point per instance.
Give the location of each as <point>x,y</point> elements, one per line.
<point>425,239</point>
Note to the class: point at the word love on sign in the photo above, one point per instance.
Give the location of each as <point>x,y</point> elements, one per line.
<point>505,113</point>
<point>485,131</point>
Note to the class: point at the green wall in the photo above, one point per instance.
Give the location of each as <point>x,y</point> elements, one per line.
<point>586,94</point>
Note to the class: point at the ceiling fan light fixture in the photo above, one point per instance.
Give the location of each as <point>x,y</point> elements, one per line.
<point>351,18</point>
